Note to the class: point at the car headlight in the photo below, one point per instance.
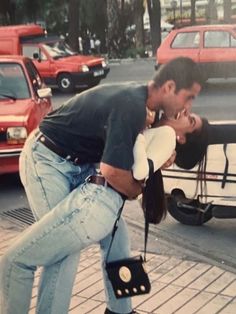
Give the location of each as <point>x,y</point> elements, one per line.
<point>84,68</point>
<point>104,64</point>
<point>16,135</point>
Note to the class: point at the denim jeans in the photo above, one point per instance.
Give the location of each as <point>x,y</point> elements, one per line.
<point>71,214</point>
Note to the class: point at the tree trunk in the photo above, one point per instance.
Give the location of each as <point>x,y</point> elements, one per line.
<point>138,20</point>
<point>154,11</point>
<point>227,11</point>
<point>112,27</point>
<point>193,12</point>
<point>211,12</point>
<point>73,18</point>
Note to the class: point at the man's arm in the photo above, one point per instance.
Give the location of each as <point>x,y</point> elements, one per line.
<point>121,180</point>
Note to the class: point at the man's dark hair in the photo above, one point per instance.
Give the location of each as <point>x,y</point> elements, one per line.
<point>183,71</point>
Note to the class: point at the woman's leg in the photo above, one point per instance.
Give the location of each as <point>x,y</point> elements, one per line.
<point>84,217</point>
<point>120,249</point>
<point>156,144</point>
<point>48,179</point>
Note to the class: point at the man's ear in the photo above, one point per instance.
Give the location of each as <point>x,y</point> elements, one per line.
<point>169,87</point>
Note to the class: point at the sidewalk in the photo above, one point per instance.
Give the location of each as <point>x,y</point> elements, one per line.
<point>178,286</point>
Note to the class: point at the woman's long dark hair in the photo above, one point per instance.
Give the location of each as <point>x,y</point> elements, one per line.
<point>153,200</point>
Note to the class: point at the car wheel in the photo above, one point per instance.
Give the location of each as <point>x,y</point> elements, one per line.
<point>65,83</point>
<point>185,210</point>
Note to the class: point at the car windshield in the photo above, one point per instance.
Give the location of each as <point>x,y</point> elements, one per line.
<point>59,49</point>
<point>13,83</point>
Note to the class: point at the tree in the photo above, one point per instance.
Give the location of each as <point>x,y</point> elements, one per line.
<point>154,11</point>
<point>93,19</point>
<point>7,11</point>
<point>138,21</point>
<point>73,19</point>
<point>227,11</point>
<point>112,28</point>
<point>193,12</point>
<point>211,12</point>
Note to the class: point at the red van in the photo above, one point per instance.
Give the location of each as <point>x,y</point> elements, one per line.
<point>57,63</point>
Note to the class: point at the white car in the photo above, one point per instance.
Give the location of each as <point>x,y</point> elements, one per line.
<point>184,200</point>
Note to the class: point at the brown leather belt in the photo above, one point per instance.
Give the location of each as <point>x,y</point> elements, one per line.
<point>98,179</point>
<point>56,149</point>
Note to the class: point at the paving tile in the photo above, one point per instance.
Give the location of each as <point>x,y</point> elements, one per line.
<point>207,278</point>
<point>194,304</point>
<point>230,290</point>
<point>192,274</point>
<point>215,305</point>
<point>159,298</point>
<point>176,302</point>
<point>177,271</point>
<point>221,283</point>
<point>230,308</point>
<point>84,307</point>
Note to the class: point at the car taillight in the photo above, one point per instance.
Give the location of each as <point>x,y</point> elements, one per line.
<point>16,135</point>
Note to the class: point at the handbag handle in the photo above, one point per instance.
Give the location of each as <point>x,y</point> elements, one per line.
<point>115,228</point>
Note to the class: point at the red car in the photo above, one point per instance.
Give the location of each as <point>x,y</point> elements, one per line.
<point>212,46</point>
<point>24,101</point>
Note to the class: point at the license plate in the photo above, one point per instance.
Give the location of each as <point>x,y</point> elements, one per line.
<point>98,73</point>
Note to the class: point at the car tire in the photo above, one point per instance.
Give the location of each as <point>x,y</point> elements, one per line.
<point>185,215</point>
<point>65,83</point>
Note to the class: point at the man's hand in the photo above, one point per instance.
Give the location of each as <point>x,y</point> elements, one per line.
<point>170,161</point>
<point>121,180</point>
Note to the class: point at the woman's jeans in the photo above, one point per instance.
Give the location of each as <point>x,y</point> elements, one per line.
<point>71,214</point>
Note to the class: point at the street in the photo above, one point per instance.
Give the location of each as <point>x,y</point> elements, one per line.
<point>214,241</point>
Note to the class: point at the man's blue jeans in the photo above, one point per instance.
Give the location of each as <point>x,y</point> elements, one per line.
<point>71,214</point>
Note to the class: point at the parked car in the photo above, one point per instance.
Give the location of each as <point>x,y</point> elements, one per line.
<point>57,63</point>
<point>184,199</point>
<point>211,46</point>
<point>24,101</point>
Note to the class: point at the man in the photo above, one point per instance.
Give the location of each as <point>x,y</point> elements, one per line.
<point>96,126</point>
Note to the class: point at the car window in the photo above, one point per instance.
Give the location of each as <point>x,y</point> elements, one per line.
<point>216,39</point>
<point>13,82</point>
<point>29,50</point>
<point>186,40</point>
<point>34,76</point>
<point>232,41</point>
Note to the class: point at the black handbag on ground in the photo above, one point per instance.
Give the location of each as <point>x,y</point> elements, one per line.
<point>128,276</point>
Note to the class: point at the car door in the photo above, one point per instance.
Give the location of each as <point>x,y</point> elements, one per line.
<point>219,53</point>
<point>42,105</point>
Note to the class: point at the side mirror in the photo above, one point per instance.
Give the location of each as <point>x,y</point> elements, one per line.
<point>44,92</point>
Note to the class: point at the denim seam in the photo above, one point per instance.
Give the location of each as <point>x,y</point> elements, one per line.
<point>44,195</point>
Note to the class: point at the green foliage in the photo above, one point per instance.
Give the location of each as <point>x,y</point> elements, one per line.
<point>135,53</point>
